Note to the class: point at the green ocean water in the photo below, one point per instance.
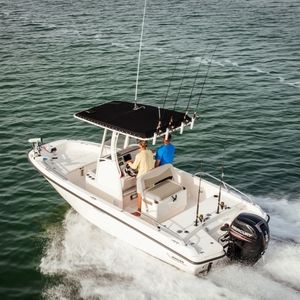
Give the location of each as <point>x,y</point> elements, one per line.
<point>60,57</point>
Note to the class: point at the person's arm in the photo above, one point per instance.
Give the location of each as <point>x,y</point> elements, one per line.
<point>158,156</point>
<point>157,163</point>
<point>134,165</point>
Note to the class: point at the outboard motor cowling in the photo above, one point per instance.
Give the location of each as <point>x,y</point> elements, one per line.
<point>248,238</point>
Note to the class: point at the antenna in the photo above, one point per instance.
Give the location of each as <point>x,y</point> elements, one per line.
<point>139,59</point>
<point>198,200</point>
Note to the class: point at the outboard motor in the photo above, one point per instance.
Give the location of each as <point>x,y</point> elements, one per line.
<point>248,237</point>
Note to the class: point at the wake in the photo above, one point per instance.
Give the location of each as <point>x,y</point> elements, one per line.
<point>225,63</point>
<point>91,264</point>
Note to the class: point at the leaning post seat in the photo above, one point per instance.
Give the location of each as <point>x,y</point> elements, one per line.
<point>163,197</point>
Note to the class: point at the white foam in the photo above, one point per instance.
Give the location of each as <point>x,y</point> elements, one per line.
<point>252,283</point>
<point>235,64</point>
<point>98,36</point>
<point>208,60</point>
<point>227,63</point>
<point>294,84</point>
<point>202,60</point>
<point>285,217</point>
<point>283,264</point>
<point>92,264</point>
<point>218,63</point>
<point>232,63</point>
<point>119,45</point>
<point>156,49</point>
<point>258,70</point>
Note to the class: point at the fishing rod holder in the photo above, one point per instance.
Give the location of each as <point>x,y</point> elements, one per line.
<point>36,145</point>
<point>192,122</point>
<point>154,139</point>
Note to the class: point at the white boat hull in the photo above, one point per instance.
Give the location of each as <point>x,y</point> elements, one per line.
<point>175,239</point>
<point>128,234</point>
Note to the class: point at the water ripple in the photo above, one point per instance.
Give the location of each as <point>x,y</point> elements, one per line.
<point>60,57</point>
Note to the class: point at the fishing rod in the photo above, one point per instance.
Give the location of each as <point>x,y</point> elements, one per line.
<point>171,79</point>
<point>191,94</point>
<point>181,83</point>
<point>171,118</point>
<point>169,85</point>
<point>221,184</point>
<point>190,98</point>
<point>204,81</point>
<point>139,59</point>
<point>198,200</point>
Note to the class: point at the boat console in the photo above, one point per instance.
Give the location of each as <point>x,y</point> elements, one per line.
<point>128,175</point>
<point>123,156</point>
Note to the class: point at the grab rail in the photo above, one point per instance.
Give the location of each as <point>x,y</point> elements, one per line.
<point>229,188</point>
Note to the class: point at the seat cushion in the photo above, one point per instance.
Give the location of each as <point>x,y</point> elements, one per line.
<point>163,190</point>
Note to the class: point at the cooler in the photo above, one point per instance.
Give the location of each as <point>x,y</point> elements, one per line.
<point>164,200</point>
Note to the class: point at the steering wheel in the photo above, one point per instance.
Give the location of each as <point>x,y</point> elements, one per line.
<point>129,171</point>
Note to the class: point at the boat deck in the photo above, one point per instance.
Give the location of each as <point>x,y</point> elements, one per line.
<point>70,155</point>
<point>183,224</point>
<point>71,161</point>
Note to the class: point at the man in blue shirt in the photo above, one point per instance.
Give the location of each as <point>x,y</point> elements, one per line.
<point>165,153</point>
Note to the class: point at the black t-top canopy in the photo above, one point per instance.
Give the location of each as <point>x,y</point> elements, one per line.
<point>141,123</point>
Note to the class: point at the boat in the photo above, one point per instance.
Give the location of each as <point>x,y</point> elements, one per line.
<point>190,221</point>
<point>187,220</point>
